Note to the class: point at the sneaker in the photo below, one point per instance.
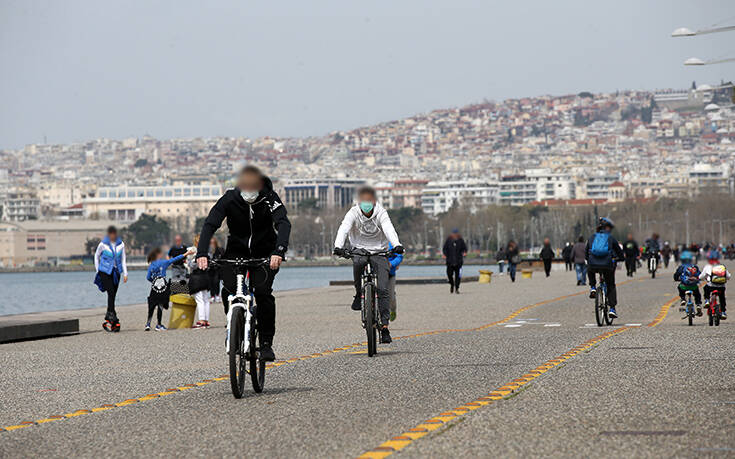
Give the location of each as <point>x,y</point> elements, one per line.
<point>160,327</point>
<point>206,324</point>
<point>456,291</point>
<point>199,324</point>
<point>723,315</point>
<point>357,303</point>
<point>266,353</point>
<point>612,314</point>
<point>385,336</point>
<point>683,303</point>
<point>699,311</point>
<point>107,325</point>
<point>392,316</point>
<point>451,288</point>
<point>593,294</point>
<point>148,326</point>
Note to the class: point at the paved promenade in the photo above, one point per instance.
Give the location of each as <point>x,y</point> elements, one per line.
<point>502,370</point>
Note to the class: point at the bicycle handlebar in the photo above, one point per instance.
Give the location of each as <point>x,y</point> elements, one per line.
<point>250,262</point>
<point>351,253</point>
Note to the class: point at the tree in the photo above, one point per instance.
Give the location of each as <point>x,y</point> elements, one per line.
<point>147,232</point>
<point>90,245</point>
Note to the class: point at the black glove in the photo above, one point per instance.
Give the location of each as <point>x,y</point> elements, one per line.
<point>399,250</point>
<point>340,252</point>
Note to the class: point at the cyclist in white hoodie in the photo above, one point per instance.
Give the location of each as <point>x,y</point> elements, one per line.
<point>368,227</point>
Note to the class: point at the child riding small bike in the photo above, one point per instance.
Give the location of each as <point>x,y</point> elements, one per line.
<point>687,274</point>
<point>716,275</point>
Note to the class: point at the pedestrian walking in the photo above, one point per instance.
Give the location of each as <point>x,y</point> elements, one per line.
<point>215,252</point>
<point>110,265</point>
<point>566,254</point>
<point>547,256</point>
<point>500,258</point>
<point>454,251</point>
<point>513,255</point>
<point>178,270</point>
<point>580,261</point>
<point>199,286</point>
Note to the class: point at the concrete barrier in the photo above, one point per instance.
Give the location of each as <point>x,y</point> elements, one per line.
<point>21,329</point>
<point>412,281</point>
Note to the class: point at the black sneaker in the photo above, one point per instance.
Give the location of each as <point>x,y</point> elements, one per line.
<point>593,293</point>
<point>356,303</point>
<point>385,336</point>
<point>451,288</point>
<point>457,291</point>
<point>266,353</point>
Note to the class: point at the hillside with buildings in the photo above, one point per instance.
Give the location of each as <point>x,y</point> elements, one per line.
<point>548,151</point>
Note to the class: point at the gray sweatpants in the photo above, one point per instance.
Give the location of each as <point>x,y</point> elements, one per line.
<point>381,272</point>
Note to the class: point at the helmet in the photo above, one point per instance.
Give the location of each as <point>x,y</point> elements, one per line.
<point>686,256</point>
<point>605,221</point>
<point>713,255</point>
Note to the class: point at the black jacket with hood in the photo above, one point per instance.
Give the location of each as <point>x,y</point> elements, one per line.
<point>256,230</point>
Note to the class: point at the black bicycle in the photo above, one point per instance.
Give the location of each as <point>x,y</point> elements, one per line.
<point>243,341</point>
<point>369,311</point>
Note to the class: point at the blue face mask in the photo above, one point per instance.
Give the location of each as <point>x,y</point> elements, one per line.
<point>366,206</point>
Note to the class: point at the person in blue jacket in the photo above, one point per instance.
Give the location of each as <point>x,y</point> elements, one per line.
<point>394,260</point>
<point>160,286</point>
<point>110,265</point>
<point>601,253</point>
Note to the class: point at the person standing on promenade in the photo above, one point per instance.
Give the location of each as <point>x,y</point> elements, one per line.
<point>110,264</point>
<point>215,252</point>
<point>500,258</point>
<point>259,228</point>
<point>199,287</point>
<point>632,254</point>
<point>454,251</point>
<point>547,256</point>
<point>566,254</point>
<point>178,269</point>
<point>513,255</point>
<point>580,261</point>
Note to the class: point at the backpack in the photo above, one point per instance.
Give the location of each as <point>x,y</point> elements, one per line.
<point>690,271</point>
<point>719,274</point>
<point>601,245</point>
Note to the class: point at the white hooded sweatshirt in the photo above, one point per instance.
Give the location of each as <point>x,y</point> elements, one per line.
<point>371,233</point>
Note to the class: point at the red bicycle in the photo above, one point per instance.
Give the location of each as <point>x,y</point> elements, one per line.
<point>715,310</point>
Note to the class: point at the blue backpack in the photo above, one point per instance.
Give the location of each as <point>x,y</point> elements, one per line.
<point>601,245</point>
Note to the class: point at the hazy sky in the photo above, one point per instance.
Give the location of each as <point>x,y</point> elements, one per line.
<point>75,70</point>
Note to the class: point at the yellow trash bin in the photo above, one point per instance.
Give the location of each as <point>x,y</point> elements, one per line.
<point>485,276</point>
<point>183,308</point>
<point>526,273</point>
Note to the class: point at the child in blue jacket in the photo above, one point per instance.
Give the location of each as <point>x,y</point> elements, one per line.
<point>394,260</point>
<point>687,274</point>
<point>160,286</point>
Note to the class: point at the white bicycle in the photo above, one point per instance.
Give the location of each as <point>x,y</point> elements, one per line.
<point>243,341</point>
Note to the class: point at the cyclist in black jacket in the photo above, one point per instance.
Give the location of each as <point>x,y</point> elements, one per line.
<point>258,228</point>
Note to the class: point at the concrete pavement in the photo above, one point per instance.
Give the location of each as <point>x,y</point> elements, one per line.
<point>632,392</point>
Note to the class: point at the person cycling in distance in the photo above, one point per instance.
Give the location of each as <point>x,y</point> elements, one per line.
<point>369,227</point>
<point>653,247</point>
<point>258,228</point>
<point>601,250</point>
<point>716,275</point>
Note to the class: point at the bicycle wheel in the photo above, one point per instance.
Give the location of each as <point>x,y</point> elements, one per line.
<point>257,366</point>
<point>717,312</point>
<point>599,308</point>
<point>237,353</point>
<point>370,320</point>
<point>691,317</point>
<point>608,319</point>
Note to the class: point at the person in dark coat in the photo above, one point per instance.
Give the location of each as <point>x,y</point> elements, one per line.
<point>566,254</point>
<point>454,251</point>
<point>632,254</point>
<point>513,255</point>
<point>547,256</point>
<point>579,259</point>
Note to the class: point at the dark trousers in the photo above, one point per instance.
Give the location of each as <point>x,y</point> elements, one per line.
<point>695,293</point>
<point>630,265</point>
<point>110,286</point>
<point>454,274</point>
<point>381,271</point>
<point>261,284</point>
<point>568,264</point>
<point>547,266</point>
<point>608,274</point>
<point>512,271</point>
<point>151,308</point>
<point>721,293</point>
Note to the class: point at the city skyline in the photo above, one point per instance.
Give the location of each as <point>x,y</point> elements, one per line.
<point>388,64</point>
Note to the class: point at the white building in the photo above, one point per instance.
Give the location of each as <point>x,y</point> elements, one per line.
<point>439,197</point>
<point>536,185</point>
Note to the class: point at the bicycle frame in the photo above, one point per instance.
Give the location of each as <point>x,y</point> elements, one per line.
<point>240,300</point>
<point>368,278</point>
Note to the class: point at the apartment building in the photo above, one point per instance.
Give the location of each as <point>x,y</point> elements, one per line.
<point>328,193</point>
<point>535,185</point>
<point>20,205</point>
<point>439,197</point>
<point>127,203</point>
<point>401,193</point>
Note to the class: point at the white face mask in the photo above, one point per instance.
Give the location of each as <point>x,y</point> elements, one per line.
<point>249,196</point>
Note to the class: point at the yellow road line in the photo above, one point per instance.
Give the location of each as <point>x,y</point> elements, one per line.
<point>399,442</point>
<point>349,347</point>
